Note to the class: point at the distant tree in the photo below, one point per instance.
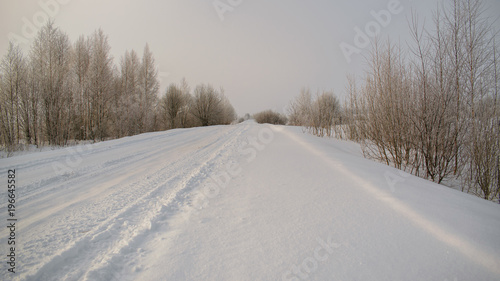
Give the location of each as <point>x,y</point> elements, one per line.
<point>270,117</point>
<point>228,114</point>
<point>186,119</point>
<point>64,91</point>
<point>127,96</point>
<point>319,115</point>
<point>211,107</point>
<point>351,111</point>
<point>325,114</point>
<point>31,104</point>
<point>172,103</point>
<point>384,107</point>
<point>82,100</point>
<point>101,84</point>
<point>244,118</point>
<point>148,90</point>
<point>13,91</point>
<point>300,108</point>
<point>51,55</point>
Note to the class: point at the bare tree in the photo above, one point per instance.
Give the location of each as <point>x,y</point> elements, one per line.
<point>207,105</point>
<point>101,78</point>
<point>65,91</point>
<point>434,113</point>
<point>453,21</point>
<point>300,108</point>
<point>51,53</point>
<point>13,88</point>
<point>351,111</point>
<point>148,90</point>
<point>81,64</point>
<point>320,115</point>
<point>270,117</point>
<point>173,103</point>
<point>186,119</point>
<point>325,114</point>
<point>444,99</point>
<point>228,114</point>
<point>384,105</point>
<point>127,96</point>
<point>479,87</point>
<point>31,104</point>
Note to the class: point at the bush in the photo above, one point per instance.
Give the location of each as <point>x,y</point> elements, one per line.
<point>271,117</point>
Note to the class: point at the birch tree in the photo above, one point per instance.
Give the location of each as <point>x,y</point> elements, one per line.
<point>127,96</point>
<point>13,88</point>
<point>51,54</point>
<point>172,104</point>
<point>101,85</point>
<point>207,105</point>
<point>148,90</point>
<point>83,116</point>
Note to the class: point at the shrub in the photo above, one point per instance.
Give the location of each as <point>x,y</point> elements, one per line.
<point>271,117</point>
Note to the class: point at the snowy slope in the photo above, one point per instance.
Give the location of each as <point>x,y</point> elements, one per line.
<point>242,202</point>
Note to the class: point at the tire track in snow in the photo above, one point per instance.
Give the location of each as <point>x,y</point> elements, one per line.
<point>39,190</point>
<point>125,221</point>
<point>41,193</point>
<point>167,206</point>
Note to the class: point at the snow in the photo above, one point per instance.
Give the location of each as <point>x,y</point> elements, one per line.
<point>239,202</point>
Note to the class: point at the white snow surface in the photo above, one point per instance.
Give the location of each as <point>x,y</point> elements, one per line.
<point>239,202</point>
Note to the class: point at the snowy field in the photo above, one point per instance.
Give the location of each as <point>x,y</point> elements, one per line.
<point>242,202</point>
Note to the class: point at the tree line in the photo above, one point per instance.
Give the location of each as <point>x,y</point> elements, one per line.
<point>63,91</point>
<point>431,108</point>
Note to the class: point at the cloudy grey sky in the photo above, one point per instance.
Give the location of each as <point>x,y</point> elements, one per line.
<point>261,52</point>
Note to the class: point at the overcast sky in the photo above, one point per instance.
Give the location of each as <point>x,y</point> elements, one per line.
<point>261,52</point>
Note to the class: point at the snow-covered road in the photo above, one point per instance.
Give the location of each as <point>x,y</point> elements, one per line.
<point>242,202</point>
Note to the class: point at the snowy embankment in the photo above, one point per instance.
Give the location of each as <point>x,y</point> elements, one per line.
<point>243,202</point>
